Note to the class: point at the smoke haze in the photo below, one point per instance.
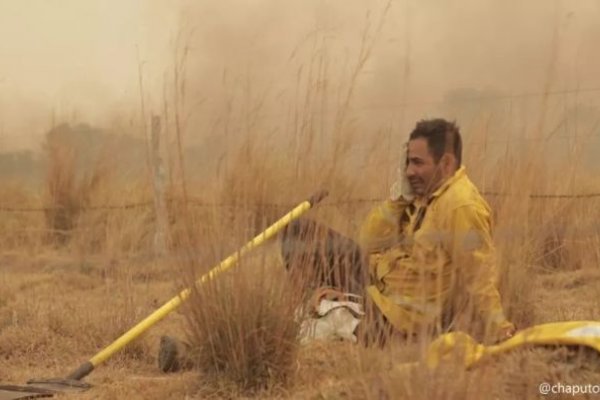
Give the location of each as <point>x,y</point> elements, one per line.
<point>70,60</point>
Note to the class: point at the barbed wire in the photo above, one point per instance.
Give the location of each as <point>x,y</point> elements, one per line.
<point>86,208</point>
<point>201,203</point>
<point>547,196</point>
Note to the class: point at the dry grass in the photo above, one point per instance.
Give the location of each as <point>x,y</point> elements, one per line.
<point>243,329</point>
<point>70,184</point>
<point>61,307</point>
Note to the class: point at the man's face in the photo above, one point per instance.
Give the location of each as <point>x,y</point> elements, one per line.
<point>423,173</point>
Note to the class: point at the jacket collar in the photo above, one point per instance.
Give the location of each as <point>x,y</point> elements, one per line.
<point>459,174</point>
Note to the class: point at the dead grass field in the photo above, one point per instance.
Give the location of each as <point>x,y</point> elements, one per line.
<point>57,312</point>
<point>60,305</point>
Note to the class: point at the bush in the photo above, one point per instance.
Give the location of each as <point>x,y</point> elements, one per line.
<point>242,325</point>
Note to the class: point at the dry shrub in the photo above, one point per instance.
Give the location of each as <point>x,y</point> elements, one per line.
<point>89,206</point>
<point>70,182</point>
<point>242,326</point>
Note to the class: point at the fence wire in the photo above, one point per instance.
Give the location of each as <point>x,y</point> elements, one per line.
<point>201,203</point>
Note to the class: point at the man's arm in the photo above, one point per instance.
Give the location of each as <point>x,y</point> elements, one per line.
<point>381,229</point>
<point>473,254</point>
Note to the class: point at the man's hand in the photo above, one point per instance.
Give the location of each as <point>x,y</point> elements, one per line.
<point>401,188</point>
<point>505,332</point>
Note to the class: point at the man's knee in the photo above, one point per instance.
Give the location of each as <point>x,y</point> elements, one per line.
<point>320,256</point>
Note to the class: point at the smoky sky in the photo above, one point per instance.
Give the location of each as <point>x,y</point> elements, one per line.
<point>74,60</point>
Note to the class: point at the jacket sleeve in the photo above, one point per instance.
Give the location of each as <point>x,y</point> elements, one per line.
<point>381,229</point>
<point>473,254</point>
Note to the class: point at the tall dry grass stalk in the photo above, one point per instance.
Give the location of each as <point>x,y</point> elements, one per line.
<point>243,328</point>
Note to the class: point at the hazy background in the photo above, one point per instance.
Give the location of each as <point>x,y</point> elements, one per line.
<point>485,63</point>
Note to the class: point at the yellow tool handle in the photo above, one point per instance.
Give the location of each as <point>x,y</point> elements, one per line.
<point>87,367</point>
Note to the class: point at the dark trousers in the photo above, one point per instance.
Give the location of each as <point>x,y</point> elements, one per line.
<point>318,256</point>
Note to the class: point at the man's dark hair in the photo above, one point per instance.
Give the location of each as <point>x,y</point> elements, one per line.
<point>442,137</point>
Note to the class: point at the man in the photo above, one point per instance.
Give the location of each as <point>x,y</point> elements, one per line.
<point>429,247</point>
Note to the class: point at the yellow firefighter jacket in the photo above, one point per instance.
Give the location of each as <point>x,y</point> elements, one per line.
<point>433,260</point>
